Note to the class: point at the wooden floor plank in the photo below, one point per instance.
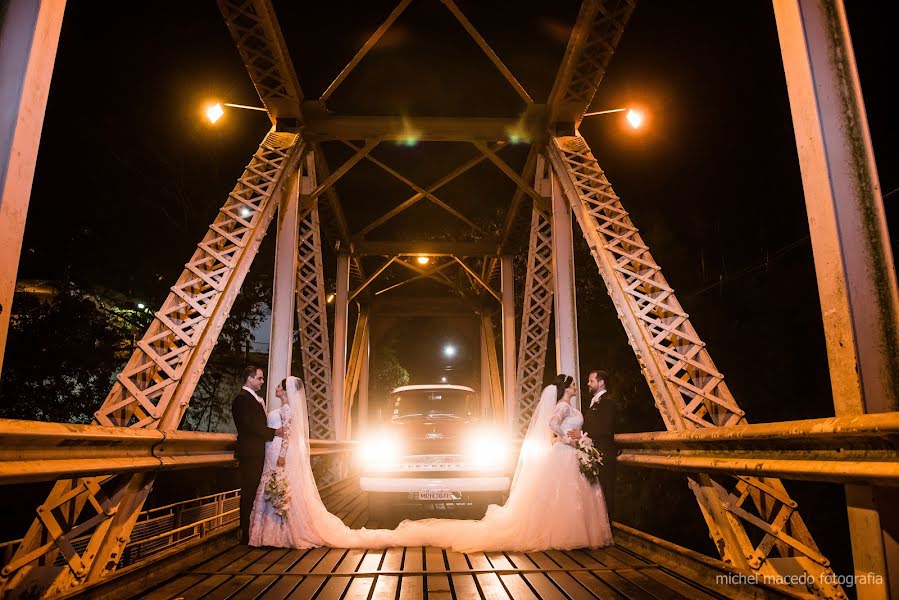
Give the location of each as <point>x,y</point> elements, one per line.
<point>261,582</point>
<point>437,586</point>
<point>174,588</point>
<point>464,586</point>
<point>285,585</point>
<point>386,585</point>
<point>213,582</point>
<point>610,558</point>
<point>412,587</point>
<point>515,584</point>
<point>681,585</point>
<point>360,587</point>
<point>568,584</point>
<point>542,584</point>
<point>335,586</point>
<point>182,583</point>
<point>311,584</point>
<point>490,584</point>
<point>624,583</point>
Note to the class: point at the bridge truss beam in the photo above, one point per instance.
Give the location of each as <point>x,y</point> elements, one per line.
<point>689,390</point>
<point>154,388</point>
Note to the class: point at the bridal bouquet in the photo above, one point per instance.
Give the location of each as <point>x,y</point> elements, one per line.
<point>589,458</point>
<point>277,493</point>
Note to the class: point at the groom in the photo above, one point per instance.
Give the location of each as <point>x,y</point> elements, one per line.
<point>599,424</point>
<point>248,410</point>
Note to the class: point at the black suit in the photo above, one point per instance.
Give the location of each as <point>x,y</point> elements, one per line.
<point>599,424</point>
<point>252,434</point>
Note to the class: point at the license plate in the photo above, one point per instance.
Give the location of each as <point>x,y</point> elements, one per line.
<point>437,495</point>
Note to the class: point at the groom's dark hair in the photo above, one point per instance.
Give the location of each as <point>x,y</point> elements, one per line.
<point>248,371</point>
<point>601,376</point>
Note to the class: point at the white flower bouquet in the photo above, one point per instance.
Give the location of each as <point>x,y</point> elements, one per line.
<point>589,458</point>
<point>277,493</point>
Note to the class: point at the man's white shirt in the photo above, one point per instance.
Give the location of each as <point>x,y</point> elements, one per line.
<point>258,399</point>
<point>595,399</point>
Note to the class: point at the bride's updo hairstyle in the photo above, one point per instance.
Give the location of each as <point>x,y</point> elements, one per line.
<point>562,382</point>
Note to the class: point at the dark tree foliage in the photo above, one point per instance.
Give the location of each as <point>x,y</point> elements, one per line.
<point>63,354</point>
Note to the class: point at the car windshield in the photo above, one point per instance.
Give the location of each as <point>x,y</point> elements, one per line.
<point>431,403</point>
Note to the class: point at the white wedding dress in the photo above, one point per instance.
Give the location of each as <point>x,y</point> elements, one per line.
<point>551,505</point>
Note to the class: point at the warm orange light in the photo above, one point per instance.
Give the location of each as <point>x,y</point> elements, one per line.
<point>635,118</point>
<point>423,260</point>
<point>330,298</point>
<point>214,112</point>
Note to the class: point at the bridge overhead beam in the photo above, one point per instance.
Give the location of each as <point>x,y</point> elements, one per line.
<point>593,40</point>
<point>426,248</point>
<point>410,130</point>
<point>257,34</point>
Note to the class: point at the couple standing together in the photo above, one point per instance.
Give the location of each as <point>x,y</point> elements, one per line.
<point>551,505</point>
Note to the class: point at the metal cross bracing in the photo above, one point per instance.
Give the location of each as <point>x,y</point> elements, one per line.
<point>154,388</point>
<point>536,312</point>
<point>689,390</point>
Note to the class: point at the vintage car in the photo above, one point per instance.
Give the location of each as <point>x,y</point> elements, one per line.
<point>434,447</point>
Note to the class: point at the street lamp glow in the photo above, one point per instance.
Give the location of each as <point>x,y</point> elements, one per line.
<point>449,351</point>
<point>443,380</point>
<point>635,118</point>
<point>330,298</point>
<point>245,212</point>
<point>423,260</point>
<point>141,305</point>
<point>214,112</point>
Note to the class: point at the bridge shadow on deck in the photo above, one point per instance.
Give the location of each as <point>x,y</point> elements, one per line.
<point>231,570</point>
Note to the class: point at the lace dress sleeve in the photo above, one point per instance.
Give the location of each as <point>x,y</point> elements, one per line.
<point>555,423</point>
<point>285,430</point>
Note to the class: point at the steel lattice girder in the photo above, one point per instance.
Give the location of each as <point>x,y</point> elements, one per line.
<point>313,326</point>
<point>536,313</point>
<point>154,388</point>
<point>689,391</point>
<point>261,45</point>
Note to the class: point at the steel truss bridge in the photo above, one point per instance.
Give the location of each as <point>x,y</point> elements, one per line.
<point>91,533</point>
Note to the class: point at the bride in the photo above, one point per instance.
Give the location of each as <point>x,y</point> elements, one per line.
<point>551,505</point>
<point>306,522</point>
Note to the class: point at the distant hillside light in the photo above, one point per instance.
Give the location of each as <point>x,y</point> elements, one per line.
<point>635,118</point>
<point>423,260</point>
<point>214,112</point>
<point>141,305</point>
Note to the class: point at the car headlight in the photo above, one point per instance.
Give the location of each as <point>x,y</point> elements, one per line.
<point>379,452</point>
<point>487,450</point>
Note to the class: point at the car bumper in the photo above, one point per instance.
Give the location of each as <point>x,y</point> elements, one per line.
<point>416,484</point>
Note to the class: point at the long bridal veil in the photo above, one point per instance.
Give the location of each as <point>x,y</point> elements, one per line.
<point>522,523</point>
<point>310,522</point>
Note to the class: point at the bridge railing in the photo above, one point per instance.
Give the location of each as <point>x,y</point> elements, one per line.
<point>165,527</point>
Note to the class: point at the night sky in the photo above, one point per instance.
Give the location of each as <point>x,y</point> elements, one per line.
<point>129,175</point>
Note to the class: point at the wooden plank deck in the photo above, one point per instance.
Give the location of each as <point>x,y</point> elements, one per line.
<point>241,572</point>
